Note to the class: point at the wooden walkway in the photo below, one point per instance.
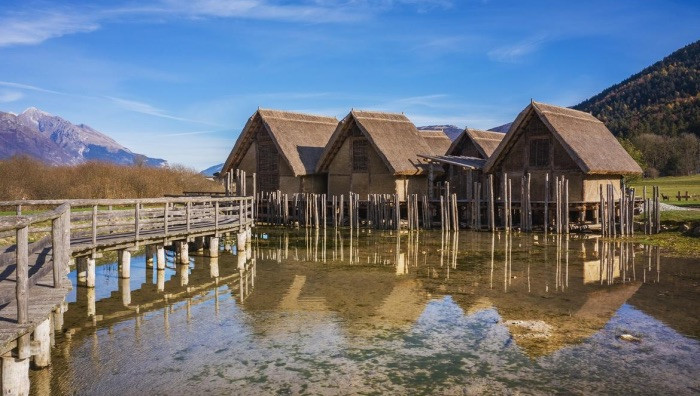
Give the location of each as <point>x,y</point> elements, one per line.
<point>36,249</point>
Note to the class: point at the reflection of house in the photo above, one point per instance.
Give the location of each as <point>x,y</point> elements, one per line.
<point>282,149</point>
<point>378,153</point>
<point>558,141</point>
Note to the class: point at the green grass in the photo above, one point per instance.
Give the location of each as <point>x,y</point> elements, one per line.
<point>670,185</point>
<point>674,242</point>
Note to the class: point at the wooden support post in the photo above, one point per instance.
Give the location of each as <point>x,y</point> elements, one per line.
<point>160,257</point>
<point>90,272</point>
<point>42,344</point>
<point>166,211</point>
<point>124,259</point>
<point>137,219</point>
<point>57,248</point>
<point>528,206</point>
<point>183,247</point>
<point>241,242</point>
<point>22,274</point>
<point>566,206</point>
<point>213,250</point>
<point>94,225</point>
<point>547,189</point>
<point>491,209</point>
<point>150,251</point>
<point>15,376</point>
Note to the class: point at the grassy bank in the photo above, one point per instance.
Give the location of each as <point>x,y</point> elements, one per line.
<point>673,241</point>
<point>26,178</point>
<point>670,186</point>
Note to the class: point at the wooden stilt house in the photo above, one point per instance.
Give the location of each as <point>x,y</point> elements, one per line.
<point>282,148</point>
<point>549,141</point>
<point>464,160</point>
<point>378,153</point>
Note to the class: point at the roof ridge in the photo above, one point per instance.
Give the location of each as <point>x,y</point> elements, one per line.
<point>591,119</point>
<point>295,112</point>
<point>310,121</point>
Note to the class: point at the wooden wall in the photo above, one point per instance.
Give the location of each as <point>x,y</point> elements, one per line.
<point>342,179</point>
<point>517,162</point>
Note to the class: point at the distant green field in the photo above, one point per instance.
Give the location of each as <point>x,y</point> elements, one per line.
<point>670,186</point>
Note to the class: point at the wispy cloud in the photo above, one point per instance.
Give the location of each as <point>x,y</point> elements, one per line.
<point>145,108</point>
<point>516,52</point>
<point>10,96</point>
<point>33,28</point>
<point>28,87</point>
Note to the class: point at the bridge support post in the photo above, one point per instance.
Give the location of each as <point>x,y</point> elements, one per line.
<point>42,340</point>
<point>213,247</point>
<point>199,244</point>
<point>160,257</point>
<point>183,248</point>
<point>249,235</point>
<point>241,239</point>
<point>124,258</point>
<point>242,258</point>
<point>81,269</point>
<point>149,256</point>
<point>15,376</point>
<point>58,319</point>
<point>90,272</point>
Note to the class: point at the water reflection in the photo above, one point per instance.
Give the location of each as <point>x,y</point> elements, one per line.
<point>388,312</point>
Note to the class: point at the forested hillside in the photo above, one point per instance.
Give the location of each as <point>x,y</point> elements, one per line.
<point>657,113</point>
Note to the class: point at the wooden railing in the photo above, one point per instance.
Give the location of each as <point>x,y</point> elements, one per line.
<point>59,229</point>
<point>83,226</point>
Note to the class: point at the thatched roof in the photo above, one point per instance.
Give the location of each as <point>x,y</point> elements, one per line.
<point>485,142</point>
<point>438,141</point>
<point>585,138</point>
<point>395,139</point>
<point>300,138</point>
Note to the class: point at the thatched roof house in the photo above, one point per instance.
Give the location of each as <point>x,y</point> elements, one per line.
<point>438,141</point>
<point>376,153</point>
<point>465,159</point>
<point>475,143</point>
<point>546,139</point>
<point>282,148</point>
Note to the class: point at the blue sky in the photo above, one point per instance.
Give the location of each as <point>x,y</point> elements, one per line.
<point>177,79</point>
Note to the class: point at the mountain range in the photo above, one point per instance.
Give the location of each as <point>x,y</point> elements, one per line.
<point>57,141</point>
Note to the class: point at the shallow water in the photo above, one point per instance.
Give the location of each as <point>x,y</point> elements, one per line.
<point>377,313</point>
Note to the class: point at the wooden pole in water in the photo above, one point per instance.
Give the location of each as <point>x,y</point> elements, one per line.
<point>510,204</point>
<point>566,206</point>
<point>546,202</point>
<point>492,218</point>
<point>529,204</point>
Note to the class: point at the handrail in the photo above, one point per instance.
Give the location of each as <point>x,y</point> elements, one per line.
<point>121,201</point>
<point>23,221</point>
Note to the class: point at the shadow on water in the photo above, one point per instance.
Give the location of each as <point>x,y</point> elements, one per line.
<point>319,311</point>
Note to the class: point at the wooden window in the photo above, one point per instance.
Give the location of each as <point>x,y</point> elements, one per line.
<point>359,155</point>
<point>539,152</point>
<point>267,163</point>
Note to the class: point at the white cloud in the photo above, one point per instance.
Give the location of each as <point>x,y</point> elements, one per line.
<point>10,96</point>
<point>28,87</point>
<point>27,29</point>
<point>145,108</point>
<point>516,52</point>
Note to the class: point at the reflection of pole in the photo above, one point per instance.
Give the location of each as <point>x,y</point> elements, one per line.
<point>493,251</point>
<point>125,286</point>
<point>160,280</point>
